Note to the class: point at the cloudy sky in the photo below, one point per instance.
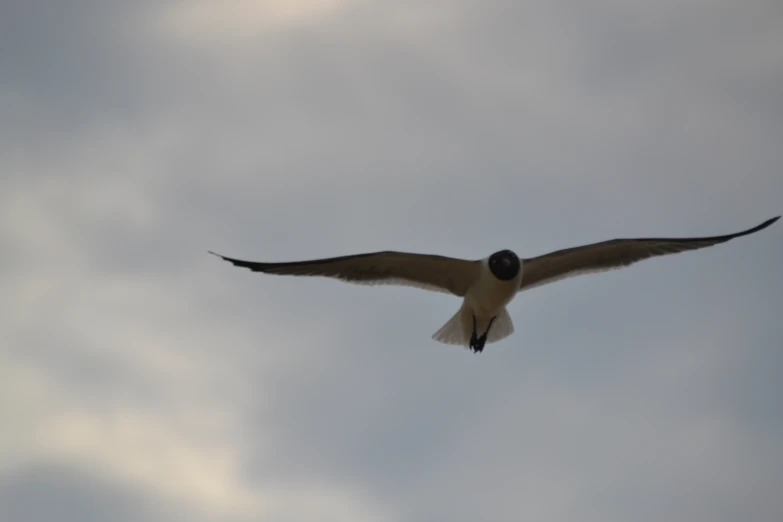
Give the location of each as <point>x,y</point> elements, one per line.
<point>142,379</point>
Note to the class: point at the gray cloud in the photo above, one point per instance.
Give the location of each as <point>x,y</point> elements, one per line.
<point>142,135</point>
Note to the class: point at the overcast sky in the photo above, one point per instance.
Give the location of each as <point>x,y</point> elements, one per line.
<point>143,379</point>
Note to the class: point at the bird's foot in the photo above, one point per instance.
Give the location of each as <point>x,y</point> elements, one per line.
<point>477,342</point>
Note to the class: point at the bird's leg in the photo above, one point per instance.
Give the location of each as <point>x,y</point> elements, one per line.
<point>477,343</point>
<point>473,338</point>
<point>481,341</point>
<point>489,326</point>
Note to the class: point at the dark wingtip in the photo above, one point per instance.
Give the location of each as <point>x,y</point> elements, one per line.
<point>763,225</point>
<point>749,231</point>
<point>224,258</point>
<point>252,265</point>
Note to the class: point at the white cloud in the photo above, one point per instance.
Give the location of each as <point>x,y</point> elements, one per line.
<point>143,449</point>
<point>233,20</point>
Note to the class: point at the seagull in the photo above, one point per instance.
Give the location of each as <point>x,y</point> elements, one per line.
<point>486,285</point>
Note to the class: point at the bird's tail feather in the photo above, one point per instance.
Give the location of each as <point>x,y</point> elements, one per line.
<point>502,327</point>
<point>457,330</point>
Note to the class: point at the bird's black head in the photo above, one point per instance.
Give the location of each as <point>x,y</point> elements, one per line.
<point>504,265</point>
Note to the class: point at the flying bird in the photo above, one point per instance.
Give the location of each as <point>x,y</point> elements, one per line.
<point>486,285</point>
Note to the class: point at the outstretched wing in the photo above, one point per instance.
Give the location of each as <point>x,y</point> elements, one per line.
<point>616,253</point>
<point>437,273</point>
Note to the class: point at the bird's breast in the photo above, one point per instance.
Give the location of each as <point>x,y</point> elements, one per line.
<point>489,295</point>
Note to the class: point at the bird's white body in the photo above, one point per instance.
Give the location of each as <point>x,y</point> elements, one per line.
<point>488,294</point>
<point>485,299</point>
